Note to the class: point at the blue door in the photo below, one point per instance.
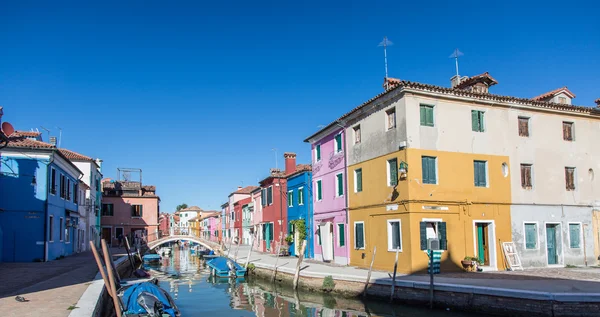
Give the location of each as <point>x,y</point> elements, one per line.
<point>551,244</point>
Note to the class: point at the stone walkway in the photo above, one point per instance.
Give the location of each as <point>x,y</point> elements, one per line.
<point>552,280</point>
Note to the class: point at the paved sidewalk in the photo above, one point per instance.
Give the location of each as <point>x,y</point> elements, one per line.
<point>51,287</point>
<point>577,280</point>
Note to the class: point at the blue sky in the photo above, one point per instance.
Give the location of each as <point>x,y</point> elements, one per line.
<point>198,94</point>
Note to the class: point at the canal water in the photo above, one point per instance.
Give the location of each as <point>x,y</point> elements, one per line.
<point>198,294</point>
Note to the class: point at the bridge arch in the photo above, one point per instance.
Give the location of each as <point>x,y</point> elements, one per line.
<point>161,241</point>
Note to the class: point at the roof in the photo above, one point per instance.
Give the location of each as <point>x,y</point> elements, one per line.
<point>28,134</point>
<point>245,190</point>
<point>17,140</point>
<point>274,173</point>
<point>74,156</point>
<point>405,84</point>
<point>485,78</point>
<point>299,169</point>
<point>83,185</point>
<point>554,93</point>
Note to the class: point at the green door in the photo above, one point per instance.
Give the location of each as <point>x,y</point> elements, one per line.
<point>551,244</point>
<point>480,246</point>
<point>268,235</point>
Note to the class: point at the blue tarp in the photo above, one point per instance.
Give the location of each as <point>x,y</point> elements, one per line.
<point>130,298</point>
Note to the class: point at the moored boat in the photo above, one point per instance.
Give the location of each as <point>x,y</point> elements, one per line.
<point>151,258</point>
<point>224,267</point>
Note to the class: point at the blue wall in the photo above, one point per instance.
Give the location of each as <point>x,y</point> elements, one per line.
<point>304,211</point>
<point>24,206</point>
<point>58,208</point>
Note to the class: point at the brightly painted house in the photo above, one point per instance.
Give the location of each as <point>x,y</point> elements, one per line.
<point>247,215</point>
<point>330,224</point>
<point>235,215</point>
<point>257,218</point>
<point>299,208</point>
<point>274,212</point>
<point>38,201</point>
<point>224,222</point>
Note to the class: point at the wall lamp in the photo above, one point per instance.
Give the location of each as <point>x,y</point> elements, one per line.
<point>403,169</point>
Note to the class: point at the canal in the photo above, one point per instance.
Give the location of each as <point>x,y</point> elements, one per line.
<point>198,294</point>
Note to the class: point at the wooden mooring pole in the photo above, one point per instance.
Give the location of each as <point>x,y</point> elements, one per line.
<point>276,261</point>
<point>369,274</point>
<point>300,258</point>
<point>394,277</point>
<point>111,279</point>
<point>250,251</point>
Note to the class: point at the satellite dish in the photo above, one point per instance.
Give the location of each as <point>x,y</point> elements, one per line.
<point>7,128</point>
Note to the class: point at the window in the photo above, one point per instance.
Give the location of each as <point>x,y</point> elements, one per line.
<point>562,100</point>
<point>394,235</point>
<point>575,235</point>
<point>263,197</point>
<point>318,152</point>
<point>76,193</point>
<point>357,134</point>
<point>339,180</point>
<point>53,182</point>
<point>341,235</point>
<point>568,131</point>
<point>358,180</point>
<point>51,229</point>
<point>426,115</point>
<point>531,236</point>
<point>390,115</point>
<point>300,196</point>
<point>431,229</point>
<point>62,186</point>
<point>526,176</point>
<point>359,235</point>
<point>570,178</point>
<point>338,143</point>
<point>480,171</point>
<point>67,233</point>
<point>319,190</point>
<point>290,198</point>
<point>107,209</point>
<point>524,127</point>
<point>477,124</point>
<point>392,172</point>
<point>428,166</point>
<point>68,189</point>
<point>270,195</point>
<point>61,230</point>
<point>136,210</point>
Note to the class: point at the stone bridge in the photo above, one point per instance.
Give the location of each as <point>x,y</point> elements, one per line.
<point>174,238</point>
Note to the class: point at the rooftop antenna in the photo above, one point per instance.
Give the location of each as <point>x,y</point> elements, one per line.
<point>385,43</point>
<point>275,150</point>
<point>59,135</point>
<point>47,131</point>
<point>455,55</point>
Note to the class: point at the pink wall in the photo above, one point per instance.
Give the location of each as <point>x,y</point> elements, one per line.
<point>330,208</point>
<point>122,215</point>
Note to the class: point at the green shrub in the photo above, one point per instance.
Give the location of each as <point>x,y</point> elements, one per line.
<point>251,267</point>
<point>328,283</point>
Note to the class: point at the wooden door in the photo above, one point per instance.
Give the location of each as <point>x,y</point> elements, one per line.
<point>107,235</point>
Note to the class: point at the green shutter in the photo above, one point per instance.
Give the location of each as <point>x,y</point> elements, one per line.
<point>441,227</point>
<point>474,123</point>
<point>429,116</point>
<point>342,234</point>
<point>141,210</point>
<point>318,152</point>
<point>423,115</point>
<point>574,235</point>
<point>360,239</point>
<point>393,164</point>
<point>338,141</point>
<point>319,194</point>
<point>359,180</point>
<point>481,121</point>
<point>530,236</point>
<point>423,234</point>
<point>428,167</point>
<point>340,184</point>
<point>290,227</point>
<point>479,171</point>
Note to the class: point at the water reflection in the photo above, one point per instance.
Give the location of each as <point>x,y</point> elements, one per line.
<point>197,293</point>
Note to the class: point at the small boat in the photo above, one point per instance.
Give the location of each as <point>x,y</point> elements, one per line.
<point>147,299</point>
<point>151,258</point>
<point>223,267</point>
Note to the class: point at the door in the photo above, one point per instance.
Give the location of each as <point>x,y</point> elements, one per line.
<point>107,235</point>
<point>326,241</point>
<point>551,244</point>
<point>268,235</point>
<point>483,248</point>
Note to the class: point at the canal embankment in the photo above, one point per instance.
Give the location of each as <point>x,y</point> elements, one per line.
<point>475,292</point>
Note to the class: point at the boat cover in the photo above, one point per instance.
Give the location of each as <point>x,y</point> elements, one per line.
<point>145,294</point>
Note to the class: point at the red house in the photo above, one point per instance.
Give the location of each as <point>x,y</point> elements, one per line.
<point>273,200</point>
<point>236,216</point>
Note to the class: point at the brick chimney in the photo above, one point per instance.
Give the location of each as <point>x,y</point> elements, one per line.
<point>290,162</point>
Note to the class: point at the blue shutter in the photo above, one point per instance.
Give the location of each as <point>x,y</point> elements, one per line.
<point>360,239</point>
<point>530,236</point>
<point>423,234</point>
<point>574,235</point>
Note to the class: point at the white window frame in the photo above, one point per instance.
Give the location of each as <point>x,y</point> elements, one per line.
<point>51,233</point>
<point>301,195</point>
<point>335,143</point>
<point>337,194</point>
<point>389,235</point>
<point>318,185</point>
<point>387,121</point>
<point>537,236</point>
<point>580,234</point>
<point>290,201</point>
<point>318,159</point>
<point>364,237</point>
<point>389,180</point>
<point>356,180</point>
<point>487,173</point>
<point>354,129</point>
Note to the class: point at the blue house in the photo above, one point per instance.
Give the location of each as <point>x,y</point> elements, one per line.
<point>38,200</point>
<point>300,208</point>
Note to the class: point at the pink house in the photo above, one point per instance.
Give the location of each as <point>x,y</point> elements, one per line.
<point>329,194</point>
<point>257,218</point>
<point>129,209</point>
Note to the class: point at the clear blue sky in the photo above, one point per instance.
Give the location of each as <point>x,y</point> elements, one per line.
<point>197,95</point>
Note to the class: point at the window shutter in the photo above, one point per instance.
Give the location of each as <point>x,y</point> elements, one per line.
<point>523,176</point>
<point>430,116</point>
<point>441,227</point>
<point>474,120</point>
<point>359,180</point>
<point>481,121</point>
<point>574,233</point>
<point>141,210</point>
<point>423,234</point>
<point>360,239</point>
<point>425,168</point>
<point>530,236</point>
<point>393,172</point>
<point>318,152</point>
<point>319,193</point>
<point>340,184</point>
<point>423,115</point>
<point>342,234</point>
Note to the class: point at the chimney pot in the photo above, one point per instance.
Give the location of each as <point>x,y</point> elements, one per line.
<point>239,187</point>
<point>290,162</point>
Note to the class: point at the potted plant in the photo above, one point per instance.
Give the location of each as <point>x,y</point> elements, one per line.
<point>470,262</point>
<point>289,239</point>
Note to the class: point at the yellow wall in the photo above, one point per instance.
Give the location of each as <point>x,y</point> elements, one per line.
<point>454,199</point>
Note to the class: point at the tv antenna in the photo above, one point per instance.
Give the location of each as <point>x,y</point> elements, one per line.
<point>455,55</point>
<point>59,135</point>
<point>385,43</point>
<point>47,131</point>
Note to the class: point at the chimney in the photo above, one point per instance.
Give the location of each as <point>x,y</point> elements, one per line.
<point>290,162</point>
<point>597,101</point>
<point>53,140</point>
<point>239,187</point>
<point>99,163</point>
<point>476,84</point>
<point>456,80</point>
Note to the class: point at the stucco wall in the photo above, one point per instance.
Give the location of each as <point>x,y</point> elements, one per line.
<point>122,215</point>
<point>302,182</point>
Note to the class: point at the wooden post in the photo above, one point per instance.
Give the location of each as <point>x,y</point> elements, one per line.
<point>300,258</point>
<point>101,268</point>
<point>394,277</point>
<point>250,252</point>
<point>229,248</point>
<point>369,274</point>
<point>236,251</point>
<point>276,261</point>
<point>111,279</point>
<point>114,268</point>
<point>129,255</point>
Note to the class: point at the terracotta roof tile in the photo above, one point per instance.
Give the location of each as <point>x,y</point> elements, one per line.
<point>299,169</point>
<point>28,134</point>
<point>553,93</point>
<point>20,141</point>
<point>404,84</point>
<point>192,208</point>
<point>74,156</point>
<point>245,190</point>
<point>485,77</point>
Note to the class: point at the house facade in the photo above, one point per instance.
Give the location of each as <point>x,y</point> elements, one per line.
<point>299,209</point>
<point>235,213</point>
<point>257,218</point>
<point>225,222</point>
<point>39,215</point>
<point>187,214</point>
<point>274,220</point>
<point>129,209</point>
<point>163,224</point>
<point>247,214</point>
<point>330,223</point>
